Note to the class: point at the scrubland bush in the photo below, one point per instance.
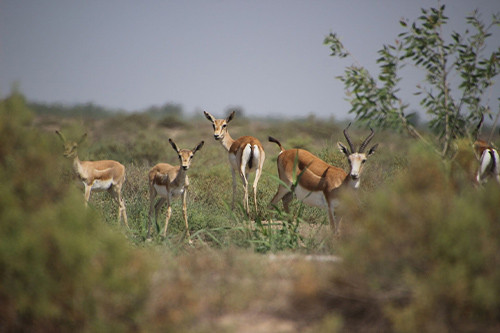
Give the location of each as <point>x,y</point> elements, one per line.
<point>61,268</point>
<point>420,254</point>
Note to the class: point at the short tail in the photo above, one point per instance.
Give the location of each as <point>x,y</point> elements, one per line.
<point>250,158</point>
<point>271,139</point>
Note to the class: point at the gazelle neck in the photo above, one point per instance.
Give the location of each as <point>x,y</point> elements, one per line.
<point>351,183</point>
<point>227,141</point>
<point>77,165</point>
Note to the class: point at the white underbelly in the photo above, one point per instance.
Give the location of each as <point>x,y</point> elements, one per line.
<point>101,185</point>
<point>315,199</point>
<point>162,191</point>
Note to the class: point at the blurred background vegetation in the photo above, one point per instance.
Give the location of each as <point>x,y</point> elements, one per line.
<point>419,247</point>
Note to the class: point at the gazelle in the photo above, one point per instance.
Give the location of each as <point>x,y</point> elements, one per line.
<point>169,182</point>
<point>489,161</point>
<point>317,183</point>
<point>106,175</point>
<point>246,155</point>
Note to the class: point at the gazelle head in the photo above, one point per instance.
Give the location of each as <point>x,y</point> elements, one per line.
<point>71,147</point>
<point>185,155</point>
<point>220,125</point>
<point>357,158</point>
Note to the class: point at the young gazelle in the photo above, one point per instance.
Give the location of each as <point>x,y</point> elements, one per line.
<point>169,182</point>
<point>97,176</point>
<point>246,155</point>
<point>318,182</point>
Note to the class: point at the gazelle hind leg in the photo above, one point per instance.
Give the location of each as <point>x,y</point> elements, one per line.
<point>122,212</point>
<point>233,174</point>
<point>244,178</point>
<point>258,173</point>
<point>280,194</point>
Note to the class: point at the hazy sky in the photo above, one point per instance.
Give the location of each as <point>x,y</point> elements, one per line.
<point>265,56</point>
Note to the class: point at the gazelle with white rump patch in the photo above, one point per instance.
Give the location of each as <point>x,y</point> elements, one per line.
<point>489,160</point>
<point>169,182</point>
<point>316,182</point>
<point>106,175</point>
<point>246,155</point>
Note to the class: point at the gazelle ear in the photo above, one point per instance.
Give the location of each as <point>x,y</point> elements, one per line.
<point>61,136</point>
<point>372,149</point>
<point>84,136</point>
<point>209,116</point>
<point>343,148</point>
<point>230,117</point>
<point>198,147</point>
<point>172,143</point>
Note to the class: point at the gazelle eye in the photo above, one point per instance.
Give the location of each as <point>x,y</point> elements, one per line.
<point>224,126</point>
<point>363,161</point>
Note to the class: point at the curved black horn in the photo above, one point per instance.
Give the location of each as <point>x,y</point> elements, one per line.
<point>347,138</point>
<point>478,128</point>
<point>366,142</point>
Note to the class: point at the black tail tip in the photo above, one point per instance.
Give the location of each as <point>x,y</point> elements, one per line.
<point>271,139</point>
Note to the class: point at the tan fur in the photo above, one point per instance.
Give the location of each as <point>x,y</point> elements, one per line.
<point>235,149</point>
<point>480,146</point>
<point>105,175</point>
<point>168,182</point>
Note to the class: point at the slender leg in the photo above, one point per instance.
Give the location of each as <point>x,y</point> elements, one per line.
<point>184,213</point>
<point>245,190</point>
<point>282,192</point>
<point>287,198</point>
<point>158,206</point>
<point>258,172</point>
<point>169,213</point>
<point>331,217</point>
<point>152,196</point>
<point>233,174</point>
<point>122,212</point>
<point>87,194</point>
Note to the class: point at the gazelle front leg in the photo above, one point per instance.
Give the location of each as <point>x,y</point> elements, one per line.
<point>331,216</point>
<point>169,213</point>
<point>184,213</point>
<point>88,188</point>
<point>152,196</point>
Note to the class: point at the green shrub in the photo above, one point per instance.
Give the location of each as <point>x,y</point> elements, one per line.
<point>420,255</point>
<point>61,268</point>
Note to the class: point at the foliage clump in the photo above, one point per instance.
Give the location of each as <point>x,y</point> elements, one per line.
<point>421,255</point>
<point>61,268</point>
<point>458,70</point>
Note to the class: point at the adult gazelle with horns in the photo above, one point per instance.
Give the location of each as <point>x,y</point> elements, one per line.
<point>316,182</point>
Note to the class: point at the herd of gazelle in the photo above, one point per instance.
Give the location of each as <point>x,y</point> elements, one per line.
<point>302,174</point>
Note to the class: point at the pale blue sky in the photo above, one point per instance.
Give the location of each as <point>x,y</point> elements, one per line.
<point>267,57</point>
